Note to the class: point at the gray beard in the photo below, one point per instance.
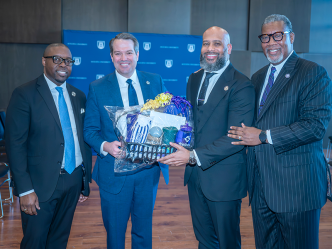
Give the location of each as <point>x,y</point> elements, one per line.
<point>220,62</point>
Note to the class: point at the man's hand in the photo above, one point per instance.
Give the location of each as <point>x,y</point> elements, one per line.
<point>113,148</point>
<point>247,135</point>
<point>82,198</point>
<point>29,203</point>
<point>179,158</point>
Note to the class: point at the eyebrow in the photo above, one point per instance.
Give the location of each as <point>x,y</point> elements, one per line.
<point>212,40</point>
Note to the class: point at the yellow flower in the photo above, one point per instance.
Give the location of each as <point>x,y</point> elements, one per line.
<point>151,104</point>
<point>164,98</point>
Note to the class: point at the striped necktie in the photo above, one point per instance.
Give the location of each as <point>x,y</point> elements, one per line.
<point>202,93</point>
<point>67,133</point>
<point>267,89</point>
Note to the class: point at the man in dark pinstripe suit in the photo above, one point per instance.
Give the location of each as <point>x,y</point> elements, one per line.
<point>286,166</point>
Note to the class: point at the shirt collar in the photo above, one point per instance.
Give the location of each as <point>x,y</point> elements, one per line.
<point>122,80</point>
<point>221,70</point>
<point>279,66</point>
<point>52,85</point>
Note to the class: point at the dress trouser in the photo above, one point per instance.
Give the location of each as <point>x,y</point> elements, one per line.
<point>292,230</point>
<point>50,228</point>
<point>135,199</point>
<point>216,223</point>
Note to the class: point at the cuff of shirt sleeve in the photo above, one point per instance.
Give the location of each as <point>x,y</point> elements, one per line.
<point>269,138</point>
<point>26,193</point>
<point>102,149</point>
<point>197,159</point>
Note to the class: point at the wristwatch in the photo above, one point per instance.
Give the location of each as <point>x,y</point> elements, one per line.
<point>192,159</point>
<point>263,137</point>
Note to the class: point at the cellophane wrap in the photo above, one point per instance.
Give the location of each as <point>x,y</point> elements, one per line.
<point>145,132</point>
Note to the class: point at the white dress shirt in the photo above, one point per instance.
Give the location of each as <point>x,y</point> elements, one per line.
<point>276,73</point>
<point>55,94</point>
<point>123,85</point>
<point>213,80</point>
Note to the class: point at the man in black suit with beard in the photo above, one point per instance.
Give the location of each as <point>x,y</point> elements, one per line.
<point>46,151</point>
<point>216,170</point>
<point>286,165</point>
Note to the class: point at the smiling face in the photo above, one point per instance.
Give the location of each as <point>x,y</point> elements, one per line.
<point>277,51</point>
<point>215,49</point>
<point>57,73</point>
<point>124,57</point>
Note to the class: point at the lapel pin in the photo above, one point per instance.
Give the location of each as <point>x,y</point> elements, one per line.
<point>73,94</point>
<point>148,82</point>
<point>226,88</point>
<point>287,75</point>
<point>82,110</point>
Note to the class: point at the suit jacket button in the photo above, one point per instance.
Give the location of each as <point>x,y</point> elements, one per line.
<point>59,162</point>
<point>61,144</point>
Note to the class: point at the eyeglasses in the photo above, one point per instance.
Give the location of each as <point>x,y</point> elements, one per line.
<point>277,36</point>
<point>59,60</point>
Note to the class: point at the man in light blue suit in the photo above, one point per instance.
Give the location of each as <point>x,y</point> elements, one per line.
<point>122,195</point>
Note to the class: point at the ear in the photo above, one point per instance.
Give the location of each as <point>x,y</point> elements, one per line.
<point>292,37</point>
<point>111,57</point>
<point>137,54</point>
<point>43,61</point>
<point>229,47</point>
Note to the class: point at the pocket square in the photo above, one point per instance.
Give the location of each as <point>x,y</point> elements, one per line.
<point>82,110</point>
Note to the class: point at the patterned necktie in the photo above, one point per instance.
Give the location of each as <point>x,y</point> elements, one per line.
<point>132,93</point>
<point>267,89</point>
<point>202,93</point>
<point>67,133</point>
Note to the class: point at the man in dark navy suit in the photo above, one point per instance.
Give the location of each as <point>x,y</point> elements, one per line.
<point>122,195</point>
<point>215,171</point>
<point>46,151</point>
<point>286,165</point>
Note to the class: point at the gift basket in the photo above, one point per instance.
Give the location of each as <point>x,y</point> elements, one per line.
<point>145,132</point>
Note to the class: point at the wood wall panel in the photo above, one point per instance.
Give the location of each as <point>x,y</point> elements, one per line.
<point>297,11</point>
<point>96,15</point>
<point>19,63</point>
<point>159,16</point>
<point>230,15</point>
<point>33,21</point>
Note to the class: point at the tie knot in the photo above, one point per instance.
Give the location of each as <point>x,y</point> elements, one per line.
<point>273,70</point>
<point>129,81</point>
<point>209,75</point>
<point>59,89</point>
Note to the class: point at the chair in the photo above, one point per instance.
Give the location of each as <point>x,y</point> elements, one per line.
<point>4,170</point>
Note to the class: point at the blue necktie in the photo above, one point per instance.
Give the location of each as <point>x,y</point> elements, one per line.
<point>67,133</point>
<point>132,93</point>
<point>267,89</point>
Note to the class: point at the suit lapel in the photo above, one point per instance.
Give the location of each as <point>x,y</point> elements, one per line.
<point>258,89</point>
<point>280,82</point>
<point>74,104</point>
<point>146,90</point>
<point>196,82</point>
<point>46,94</point>
<point>114,90</point>
<point>220,89</point>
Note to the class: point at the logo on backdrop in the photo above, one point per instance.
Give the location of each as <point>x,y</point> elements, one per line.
<point>168,63</point>
<point>98,76</point>
<point>147,45</point>
<point>101,44</point>
<point>191,48</point>
<point>77,60</point>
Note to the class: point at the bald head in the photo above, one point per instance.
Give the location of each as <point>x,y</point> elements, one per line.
<point>217,31</point>
<point>50,47</point>
<point>216,49</point>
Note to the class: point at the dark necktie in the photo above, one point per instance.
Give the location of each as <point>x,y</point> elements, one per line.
<point>267,89</point>
<point>67,133</point>
<point>132,93</point>
<point>202,93</point>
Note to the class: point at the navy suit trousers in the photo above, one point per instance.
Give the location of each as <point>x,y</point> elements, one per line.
<point>292,230</point>
<point>135,199</point>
